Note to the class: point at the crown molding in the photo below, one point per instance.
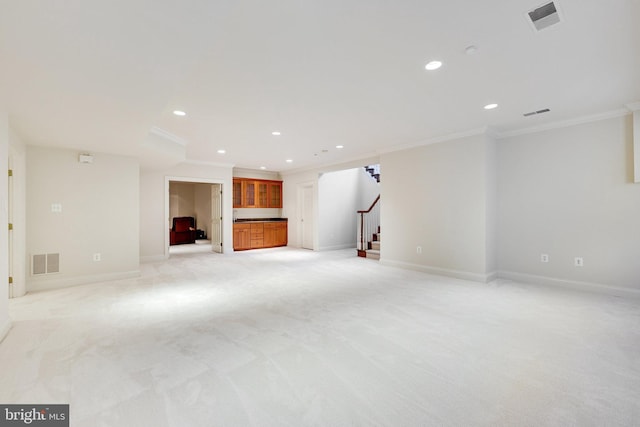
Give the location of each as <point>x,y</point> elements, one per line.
<point>633,106</point>
<point>444,138</point>
<point>167,135</point>
<point>565,123</point>
<point>204,163</point>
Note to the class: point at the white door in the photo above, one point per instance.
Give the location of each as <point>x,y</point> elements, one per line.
<point>307,217</point>
<point>216,218</point>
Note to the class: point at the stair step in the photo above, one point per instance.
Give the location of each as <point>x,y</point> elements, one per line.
<point>373,254</point>
<point>375,245</point>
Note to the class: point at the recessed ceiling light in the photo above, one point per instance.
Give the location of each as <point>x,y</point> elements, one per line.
<point>179,113</point>
<point>433,65</point>
<point>490,106</point>
<point>276,133</point>
<point>263,167</point>
<point>339,146</point>
<point>221,151</point>
<point>470,50</point>
<point>289,161</point>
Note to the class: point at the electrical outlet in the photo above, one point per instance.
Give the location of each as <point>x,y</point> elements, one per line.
<point>419,249</point>
<point>544,257</point>
<point>578,262</point>
<point>97,257</point>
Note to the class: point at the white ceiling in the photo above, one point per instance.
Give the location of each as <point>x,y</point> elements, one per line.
<point>99,75</point>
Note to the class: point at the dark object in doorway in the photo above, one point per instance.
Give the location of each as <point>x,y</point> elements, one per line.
<point>183,230</point>
<point>200,234</point>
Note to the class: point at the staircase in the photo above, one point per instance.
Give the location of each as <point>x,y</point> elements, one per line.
<point>373,247</point>
<point>369,223</point>
<point>369,231</point>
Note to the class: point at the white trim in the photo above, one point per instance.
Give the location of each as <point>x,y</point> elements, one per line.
<point>465,275</point>
<point>343,164</point>
<point>204,163</point>
<point>4,331</point>
<point>167,180</point>
<point>438,139</point>
<point>633,106</point>
<point>564,123</point>
<point>47,285</point>
<point>167,135</point>
<point>569,284</point>
<point>337,247</point>
<point>153,258</point>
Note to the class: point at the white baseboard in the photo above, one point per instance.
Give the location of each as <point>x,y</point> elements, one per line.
<point>569,284</point>
<point>337,247</point>
<point>466,275</point>
<point>153,258</point>
<point>4,329</point>
<point>47,285</point>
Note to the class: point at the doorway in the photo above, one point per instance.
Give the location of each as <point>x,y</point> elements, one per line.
<point>200,201</point>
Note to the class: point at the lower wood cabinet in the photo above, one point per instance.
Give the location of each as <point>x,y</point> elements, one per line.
<point>241,236</point>
<point>257,235</point>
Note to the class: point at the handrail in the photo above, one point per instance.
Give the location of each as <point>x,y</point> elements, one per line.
<point>372,205</point>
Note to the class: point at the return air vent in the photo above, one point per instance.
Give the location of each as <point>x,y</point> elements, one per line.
<point>533,113</point>
<point>544,16</point>
<point>45,264</point>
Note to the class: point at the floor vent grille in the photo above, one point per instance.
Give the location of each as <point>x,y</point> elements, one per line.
<point>45,264</point>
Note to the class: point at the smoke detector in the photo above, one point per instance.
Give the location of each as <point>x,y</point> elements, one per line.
<point>544,16</point>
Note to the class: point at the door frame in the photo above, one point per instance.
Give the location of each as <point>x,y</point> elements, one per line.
<point>167,180</point>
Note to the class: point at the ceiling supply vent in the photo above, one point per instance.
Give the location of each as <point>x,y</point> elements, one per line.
<point>544,16</point>
<point>45,264</point>
<point>533,113</point>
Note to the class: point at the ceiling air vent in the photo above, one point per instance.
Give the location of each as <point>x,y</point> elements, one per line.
<point>533,113</point>
<point>544,16</point>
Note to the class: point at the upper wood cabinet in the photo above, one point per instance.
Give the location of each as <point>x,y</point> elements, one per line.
<point>256,193</point>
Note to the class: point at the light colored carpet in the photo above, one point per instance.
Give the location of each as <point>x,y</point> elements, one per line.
<point>286,337</point>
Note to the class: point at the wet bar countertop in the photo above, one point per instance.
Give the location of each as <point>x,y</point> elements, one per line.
<point>249,220</point>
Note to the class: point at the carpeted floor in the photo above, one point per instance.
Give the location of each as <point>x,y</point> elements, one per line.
<point>286,337</point>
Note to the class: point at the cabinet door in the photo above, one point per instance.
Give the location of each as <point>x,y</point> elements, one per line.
<point>262,189</point>
<point>270,234</point>
<point>275,194</point>
<point>249,194</point>
<point>241,237</point>
<point>281,234</point>
<point>237,194</point>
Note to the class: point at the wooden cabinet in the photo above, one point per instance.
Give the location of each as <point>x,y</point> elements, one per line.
<point>241,236</point>
<point>257,235</point>
<point>256,193</point>
<point>275,234</point>
<point>275,194</point>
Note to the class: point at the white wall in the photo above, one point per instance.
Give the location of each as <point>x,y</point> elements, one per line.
<point>338,199</point>
<point>368,189</point>
<point>182,200</point>
<point>436,197</point>
<point>154,216</point>
<point>570,193</point>
<point>100,214</point>
<point>5,321</point>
